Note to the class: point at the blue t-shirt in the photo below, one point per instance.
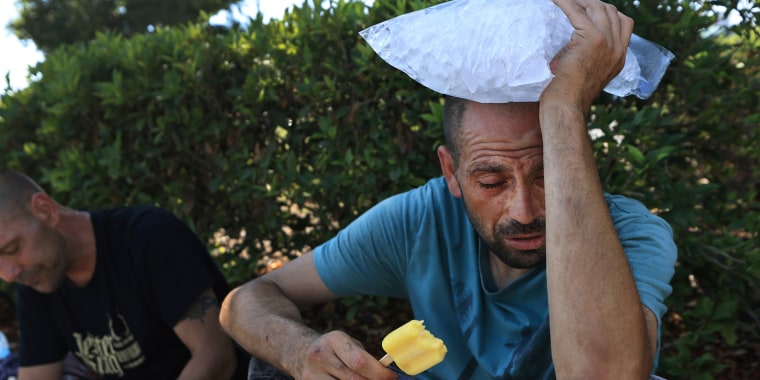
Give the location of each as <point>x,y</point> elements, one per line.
<point>421,245</point>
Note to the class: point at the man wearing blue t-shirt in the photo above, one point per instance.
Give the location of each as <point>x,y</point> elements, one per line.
<point>515,258</point>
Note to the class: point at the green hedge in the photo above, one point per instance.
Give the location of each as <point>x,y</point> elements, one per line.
<point>291,128</point>
<point>229,129</point>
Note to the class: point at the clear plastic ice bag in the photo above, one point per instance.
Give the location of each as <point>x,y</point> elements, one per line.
<point>497,51</point>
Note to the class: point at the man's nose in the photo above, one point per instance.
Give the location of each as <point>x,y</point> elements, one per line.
<point>523,205</point>
<point>9,271</point>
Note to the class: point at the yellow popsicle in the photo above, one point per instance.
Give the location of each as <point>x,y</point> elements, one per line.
<point>413,348</point>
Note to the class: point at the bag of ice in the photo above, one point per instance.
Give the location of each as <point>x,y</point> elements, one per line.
<point>497,51</point>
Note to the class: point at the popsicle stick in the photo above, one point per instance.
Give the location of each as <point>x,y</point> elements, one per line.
<point>386,360</point>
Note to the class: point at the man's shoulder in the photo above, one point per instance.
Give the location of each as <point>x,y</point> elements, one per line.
<point>624,203</point>
<point>435,191</point>
<point>129,217</point>
<point>131,227</point>
<point>621,205</point>
<point>633,219</point>
<point>431,200</point>
<point>130,212</point>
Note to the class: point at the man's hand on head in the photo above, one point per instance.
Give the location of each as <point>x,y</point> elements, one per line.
<point>595,54</point>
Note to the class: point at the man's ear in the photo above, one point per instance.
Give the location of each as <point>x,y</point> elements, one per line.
<point>44,209</point>
<point>449,171</point>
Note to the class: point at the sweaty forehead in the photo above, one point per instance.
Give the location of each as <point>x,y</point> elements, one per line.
<point>501,127</point>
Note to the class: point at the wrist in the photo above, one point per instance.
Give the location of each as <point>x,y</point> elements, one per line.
<point>297,356</point>
<point>560,115</point>
<point>566,93</point>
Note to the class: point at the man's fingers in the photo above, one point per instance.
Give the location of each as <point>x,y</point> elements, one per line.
<point>352,360</point>
<point>584,14</point>
<point>594,14</point>
<point>574,12</point>
<point>339,356</point>
<point>596,51</point>
<point>614,17</point>
<point>597,21</point>
<point>322,360</point>
<point>360,364</point>
<point>621,26</point>
<point>620,29</point>
<point>626,27</point>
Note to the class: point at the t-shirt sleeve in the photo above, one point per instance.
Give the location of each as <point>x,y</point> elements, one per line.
<point>39,340</point>
<point>369,256</point>
<point>651,251</point>
<point>175,265</point>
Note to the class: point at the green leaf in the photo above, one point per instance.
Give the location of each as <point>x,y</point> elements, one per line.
<point>634,154</point>
<point>729,334</point>
<point>725,310</point>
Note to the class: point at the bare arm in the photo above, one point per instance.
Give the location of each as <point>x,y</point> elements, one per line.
<point>213,356</point>
<point>52,371</point>
<point>264,317</point>
<point>599,326</point>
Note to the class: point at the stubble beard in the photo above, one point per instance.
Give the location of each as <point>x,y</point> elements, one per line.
<point>51,277</point>
<point>496,241</point>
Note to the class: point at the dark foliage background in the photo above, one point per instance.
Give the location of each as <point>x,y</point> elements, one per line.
<point>268,139</point>
<point>52,23</point>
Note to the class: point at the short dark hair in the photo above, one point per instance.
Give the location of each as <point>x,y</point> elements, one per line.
<point>453,114</point>
<point>16,190</point>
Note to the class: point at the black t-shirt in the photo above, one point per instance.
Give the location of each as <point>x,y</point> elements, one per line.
<point>150,269</point>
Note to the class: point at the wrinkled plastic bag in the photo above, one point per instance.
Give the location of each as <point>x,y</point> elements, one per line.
<point>498,51</point>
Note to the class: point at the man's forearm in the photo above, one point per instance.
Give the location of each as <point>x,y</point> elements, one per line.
<point>52,371</point>
<point>596,315</point>
<point>267,325</point>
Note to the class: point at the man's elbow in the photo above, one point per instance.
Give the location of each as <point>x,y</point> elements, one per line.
<point>227,310</point>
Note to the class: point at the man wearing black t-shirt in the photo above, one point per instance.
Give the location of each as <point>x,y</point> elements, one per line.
<point>130,291</point>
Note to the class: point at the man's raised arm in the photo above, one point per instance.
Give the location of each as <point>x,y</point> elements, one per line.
<point>599,328</point>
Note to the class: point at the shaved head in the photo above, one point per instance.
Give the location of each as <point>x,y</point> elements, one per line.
<point>16,190</point>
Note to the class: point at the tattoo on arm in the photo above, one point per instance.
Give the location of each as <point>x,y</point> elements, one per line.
<point>206,301</point>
